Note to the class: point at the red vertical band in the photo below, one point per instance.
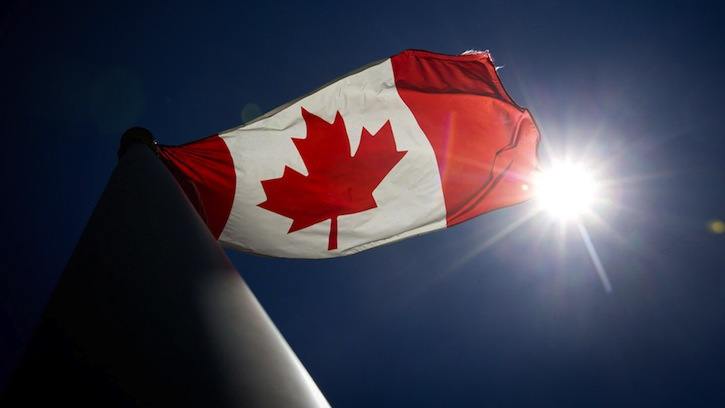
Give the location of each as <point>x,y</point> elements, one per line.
<point>205,170</point>
<point>485,145</point>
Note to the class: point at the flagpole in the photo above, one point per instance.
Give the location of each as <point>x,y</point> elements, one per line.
<point>150,311</point>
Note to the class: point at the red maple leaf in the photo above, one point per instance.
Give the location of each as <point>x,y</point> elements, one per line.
<point>337,183</point>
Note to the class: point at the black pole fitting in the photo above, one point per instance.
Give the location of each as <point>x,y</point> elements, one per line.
<point>137,134</point>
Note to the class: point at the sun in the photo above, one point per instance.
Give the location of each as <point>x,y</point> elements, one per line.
<point>565,190</point>
<point>570,193</point>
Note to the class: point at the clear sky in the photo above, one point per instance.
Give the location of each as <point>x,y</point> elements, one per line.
<point>633,89</point>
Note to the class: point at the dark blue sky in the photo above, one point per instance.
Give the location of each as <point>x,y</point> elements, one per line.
<point>635,89</point>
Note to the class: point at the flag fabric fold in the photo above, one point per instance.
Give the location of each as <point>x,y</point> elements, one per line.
<point>414,143</point>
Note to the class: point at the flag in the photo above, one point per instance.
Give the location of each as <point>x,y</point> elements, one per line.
<point>414,143</point>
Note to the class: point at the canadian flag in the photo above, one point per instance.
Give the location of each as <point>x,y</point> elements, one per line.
<point>411,144</point>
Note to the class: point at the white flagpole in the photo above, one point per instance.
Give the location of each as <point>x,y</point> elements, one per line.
<point>151,312</point>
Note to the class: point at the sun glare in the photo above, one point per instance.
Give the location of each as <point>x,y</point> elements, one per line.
<point>565,190</point>
<point>570,193</point>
